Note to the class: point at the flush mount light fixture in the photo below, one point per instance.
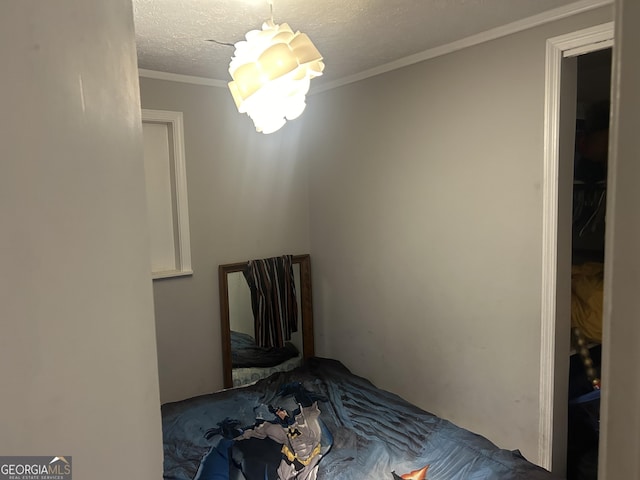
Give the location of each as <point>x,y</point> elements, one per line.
<point>272,71</point>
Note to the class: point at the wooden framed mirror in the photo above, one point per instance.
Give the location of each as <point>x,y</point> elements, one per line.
<point>305,308</point>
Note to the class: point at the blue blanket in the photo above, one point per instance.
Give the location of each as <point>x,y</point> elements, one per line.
<point>246,354</point>
<point>373,432</point>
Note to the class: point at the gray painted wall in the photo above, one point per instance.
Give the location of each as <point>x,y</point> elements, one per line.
<point>620,437</point>
<point>426,230</point>
<point>77,345</point>
<point>247,199</point>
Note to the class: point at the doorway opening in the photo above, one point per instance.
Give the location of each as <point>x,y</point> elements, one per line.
<point>590,170</point>
<point>562,107</point>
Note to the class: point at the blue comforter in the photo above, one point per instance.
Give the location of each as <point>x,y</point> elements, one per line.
<point>246,354</point>
<point>373,432</point>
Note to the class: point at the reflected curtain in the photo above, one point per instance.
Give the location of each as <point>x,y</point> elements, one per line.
<point>273,299</point>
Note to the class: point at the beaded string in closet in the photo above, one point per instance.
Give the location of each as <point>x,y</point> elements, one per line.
<point>583,350</point>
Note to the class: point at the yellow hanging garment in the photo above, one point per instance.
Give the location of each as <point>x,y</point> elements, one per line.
<point>586,299</point>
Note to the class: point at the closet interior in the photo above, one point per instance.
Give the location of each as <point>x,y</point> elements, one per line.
<point>587,272</point>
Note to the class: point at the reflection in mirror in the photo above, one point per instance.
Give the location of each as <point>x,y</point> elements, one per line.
<point>241,316</point>
<point>244,361</point>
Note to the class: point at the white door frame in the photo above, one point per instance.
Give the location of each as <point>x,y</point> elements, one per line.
<point>570,45</point>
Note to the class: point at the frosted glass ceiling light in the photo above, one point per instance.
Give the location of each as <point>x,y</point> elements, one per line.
<point>272,71</point>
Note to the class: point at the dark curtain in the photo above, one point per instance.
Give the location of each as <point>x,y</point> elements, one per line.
<point>273,300</point>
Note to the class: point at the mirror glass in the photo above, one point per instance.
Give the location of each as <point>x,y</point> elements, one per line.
<point>243,361</point>
<point>241,315</point>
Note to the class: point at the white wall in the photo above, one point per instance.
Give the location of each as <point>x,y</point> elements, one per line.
<point>240,312</point>
<point>426,215</point>
<point>247,199</point>
<point>620,419</point>
<point>77,349</point>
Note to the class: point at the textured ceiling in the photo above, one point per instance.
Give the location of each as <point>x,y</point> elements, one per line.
<point>353,35</point>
